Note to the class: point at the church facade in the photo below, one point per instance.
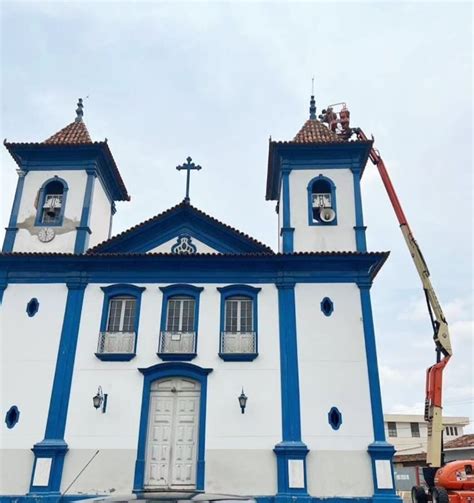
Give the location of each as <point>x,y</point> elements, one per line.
<point>182,354</point>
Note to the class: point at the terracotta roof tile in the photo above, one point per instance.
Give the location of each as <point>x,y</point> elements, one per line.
<point>419,457</point>
<point>460,442</point>
<point>314,131</point>
<point>73,134</point>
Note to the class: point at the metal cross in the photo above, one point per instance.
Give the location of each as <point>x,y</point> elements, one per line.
<point>188,166</point>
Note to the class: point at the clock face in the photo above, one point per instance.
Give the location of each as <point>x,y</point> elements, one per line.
<point>46,234</point>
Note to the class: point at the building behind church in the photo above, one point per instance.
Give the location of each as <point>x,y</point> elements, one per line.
<point>130,352</point>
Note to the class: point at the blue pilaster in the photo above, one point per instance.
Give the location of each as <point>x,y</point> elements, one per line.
<point>286,231</point>
<point>12,229</point>
<point>53,447</point>
<point>84,231</point>
<point>359,227</point>
<point>380,451</point>
<point>291,451</point>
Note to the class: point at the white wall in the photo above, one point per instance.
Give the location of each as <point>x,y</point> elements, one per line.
<point>333,372</point>
<point>29,348</point>
<point>340,237</point>
<point>235,443</point>
<point>166,247</point>
<point>101,210</point>
<point>27,235</point>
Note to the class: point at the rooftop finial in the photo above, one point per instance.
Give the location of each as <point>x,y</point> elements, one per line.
<point>79,111</point>
<point>312,103</point>
<point>312,108</point>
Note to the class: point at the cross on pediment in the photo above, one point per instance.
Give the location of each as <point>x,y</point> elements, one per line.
<point>188,166</point>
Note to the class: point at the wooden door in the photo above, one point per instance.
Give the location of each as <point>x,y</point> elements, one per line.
<point>173,429</point>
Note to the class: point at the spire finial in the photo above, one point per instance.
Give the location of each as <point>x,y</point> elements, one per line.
<point>312,103</point>
<point>79,111</point>
<point>312,108</point>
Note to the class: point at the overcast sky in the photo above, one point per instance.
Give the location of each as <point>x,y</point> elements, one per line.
<point>214,80</point>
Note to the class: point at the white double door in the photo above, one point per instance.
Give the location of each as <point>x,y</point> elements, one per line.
<point>173,429</point>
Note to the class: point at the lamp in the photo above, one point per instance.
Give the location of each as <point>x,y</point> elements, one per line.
<point>242,401</point>
<point>100,399</point>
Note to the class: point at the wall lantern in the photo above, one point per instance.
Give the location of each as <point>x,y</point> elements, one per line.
<point>242,401</point>
<point>100,400</point>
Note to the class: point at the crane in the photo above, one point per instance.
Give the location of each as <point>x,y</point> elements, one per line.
<point>444,485</point>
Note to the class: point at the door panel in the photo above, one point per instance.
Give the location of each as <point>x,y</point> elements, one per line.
<point>172,434</point>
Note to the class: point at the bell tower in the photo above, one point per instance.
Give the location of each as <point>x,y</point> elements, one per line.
<point>66,192</point>
<point>315,179</point>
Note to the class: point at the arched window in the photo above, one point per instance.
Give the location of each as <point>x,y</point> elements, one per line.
<point>322,201</point>
<point>51,202</point>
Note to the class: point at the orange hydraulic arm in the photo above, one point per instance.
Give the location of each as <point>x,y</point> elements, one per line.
<point>434,374</point>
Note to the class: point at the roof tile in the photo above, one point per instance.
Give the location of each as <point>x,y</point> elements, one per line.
<point>73,134</point>
<point>314,131</point>
<point>460,442</point>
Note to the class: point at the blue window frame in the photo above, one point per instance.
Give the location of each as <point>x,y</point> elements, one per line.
<point>321,199</point>
<point>119,323</point>
<point>335,418</point>
<point>51,203</point>
<point>238,339</point>
<point>12,416</point>
<point>327,306</point>
<point>179,322</point>
<point>32,307</point>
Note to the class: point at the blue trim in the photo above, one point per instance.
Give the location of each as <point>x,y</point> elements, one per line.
<point>109,293</point>
<point>359,228</point>
<point>161,371</point>
<point>312,499</point>
<point>83,231</point>
<point>116,357</point>
<point>335,418</point>
<point>43,498</point>
<point>173,291</point>
<point>182,219</point>
<point>238,357</point>
<point>327,306</point>
<point>53,444</point>
<point>12,229</point>
<point>44,157</point>
<point>12,416</point>
<point>309,189</point>
<point>3,285</point>
<point>379,449</point>
<point>301,268</point>
<point>286,451</point>
<point>41,199</point>
<point>291,446</point>
<point>32,307</point>
<point>344,155</point>
<point>244,291</point>
<point>174,357</point>
<point>287,231</point>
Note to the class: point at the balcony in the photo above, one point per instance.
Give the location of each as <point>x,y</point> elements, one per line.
<point>116,346</point>
<point>177,345</point>
<point>238,346</point>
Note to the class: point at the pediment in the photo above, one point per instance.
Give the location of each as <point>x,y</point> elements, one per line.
<point>182,229</point>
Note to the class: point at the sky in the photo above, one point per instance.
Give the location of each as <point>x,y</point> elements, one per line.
<point>213,80</point>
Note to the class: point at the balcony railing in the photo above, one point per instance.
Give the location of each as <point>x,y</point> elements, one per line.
<point>177,342</point>
<point>116,342</point>
<point>238,342</point>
